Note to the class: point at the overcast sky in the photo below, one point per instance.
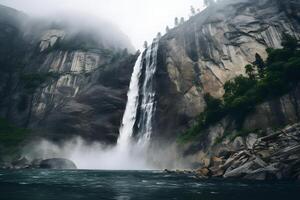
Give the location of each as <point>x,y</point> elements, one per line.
<point>139,19</point>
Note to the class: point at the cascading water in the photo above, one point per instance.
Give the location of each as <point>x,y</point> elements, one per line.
<point>132,151</point>
<point>141,100</point>
<point>135,131</point>
<point>129,116</point>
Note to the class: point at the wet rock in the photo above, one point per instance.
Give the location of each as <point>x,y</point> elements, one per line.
<point>251,140</point>
<point>57,163</point>
<point>238,144</point>
<point>264,153</point>
<point>203,172</point>
<point>216,161</point>
<point>259,176</point>
<point>238,172</point>
<point>21,163</point>
<point>36,163</point>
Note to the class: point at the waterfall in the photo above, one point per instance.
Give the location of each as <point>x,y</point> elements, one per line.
<point>129,116</point>
<point>141,102</point>
<point>147,107</point>
<point>131,151</point>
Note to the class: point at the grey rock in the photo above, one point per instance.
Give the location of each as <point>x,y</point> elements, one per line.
<point>238,144</point>
<point>240,171</point>
<point>57,163</point>
<point>251,140</point>
<point>199,56</point>
<point>86,95</point>
<point>21,163</point>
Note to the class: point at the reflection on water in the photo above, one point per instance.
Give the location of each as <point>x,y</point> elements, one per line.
<point>141,185</point>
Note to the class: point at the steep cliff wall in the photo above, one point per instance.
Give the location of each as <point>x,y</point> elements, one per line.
<point>211,48</point>
<point>59,80</point>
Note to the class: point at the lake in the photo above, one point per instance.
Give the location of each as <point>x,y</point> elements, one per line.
<point>140,185</point>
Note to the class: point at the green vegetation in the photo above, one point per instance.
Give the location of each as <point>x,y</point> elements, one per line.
<point>265,80</point>
<point>11,137</point>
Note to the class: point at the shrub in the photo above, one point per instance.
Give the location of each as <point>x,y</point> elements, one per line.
<point>279,75</point>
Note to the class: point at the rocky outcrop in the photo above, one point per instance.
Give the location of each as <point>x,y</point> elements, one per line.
<point>60,80</point>
<point>57,163</point>
<point>271,114</point>
<point>51,163</point>
<point>275,156</point>
<point>200,55</point>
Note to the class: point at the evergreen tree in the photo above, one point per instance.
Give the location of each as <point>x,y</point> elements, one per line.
<point>158,35</point>
<point>260,64</point>
<point>289,42</point>
<point>193,11</point>
<point>145,44</point>
<point>167,29</point>
<point>181,20</point>
<point>250,71</point>
<point>176,21</point>
<point>208,2</point>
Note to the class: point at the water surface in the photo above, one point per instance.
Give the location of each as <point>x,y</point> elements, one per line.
<point>127,185</point>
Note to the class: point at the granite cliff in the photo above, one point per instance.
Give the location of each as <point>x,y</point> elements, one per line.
<point>59,79</point>
<point>200,55</point>
<point>59,82</point>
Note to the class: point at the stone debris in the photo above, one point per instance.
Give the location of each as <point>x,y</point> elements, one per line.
<point>272,157</point>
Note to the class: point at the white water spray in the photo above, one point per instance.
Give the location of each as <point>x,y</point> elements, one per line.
<point>141,101</point>
<point>129,116</point>
<point>131,151</point>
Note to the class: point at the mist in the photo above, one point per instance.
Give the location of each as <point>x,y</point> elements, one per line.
<point>98,156</point>
<point>140,20</point>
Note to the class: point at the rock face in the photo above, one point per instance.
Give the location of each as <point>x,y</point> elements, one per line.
<point>51,163</point>
<point>61,81</point>
<point>57,163</point>
<point>198,57</point>
<point>213,47</point>
<point>275,156</point>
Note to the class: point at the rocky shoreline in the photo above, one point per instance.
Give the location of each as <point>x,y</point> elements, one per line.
<point>52,163</point>
<point>272,157</point>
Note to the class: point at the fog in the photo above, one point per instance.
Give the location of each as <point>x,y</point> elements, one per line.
<point>140,19</point>
<point>94,155</point>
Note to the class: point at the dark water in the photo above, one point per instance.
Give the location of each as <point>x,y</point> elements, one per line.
<point>125,185</point>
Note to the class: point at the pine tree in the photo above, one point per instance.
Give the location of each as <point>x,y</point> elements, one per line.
<point>289,42</point>
<point>145,44</point>
<point>176,21</point>
<point>208,2</point>
<point>167,29</point>
<point>250,71</point>
<point>158,35</point>
<point>260,64</point>
<point>193,11</point>
<point>181,20</point>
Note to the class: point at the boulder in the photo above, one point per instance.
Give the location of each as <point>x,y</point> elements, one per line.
<point>203,172</point>
<point>263,173</point>
<point>21,163</point>
<point>57,163</point>
<point>216,161</point>
<point>264,153</point>
<point>240,171</point>
<point>251,140</point>
<point>238,144</point>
